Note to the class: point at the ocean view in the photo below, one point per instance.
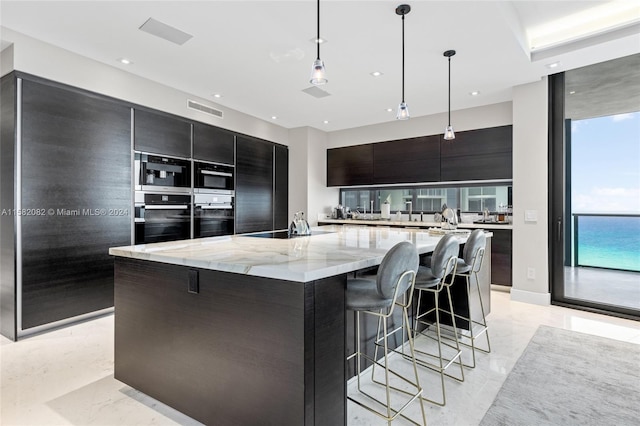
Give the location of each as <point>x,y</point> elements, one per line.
<point>609,242</point>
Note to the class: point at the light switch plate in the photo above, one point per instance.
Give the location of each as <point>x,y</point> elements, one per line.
<point>531,215</point>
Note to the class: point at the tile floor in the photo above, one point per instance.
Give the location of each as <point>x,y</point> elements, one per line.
<point>65,377</point>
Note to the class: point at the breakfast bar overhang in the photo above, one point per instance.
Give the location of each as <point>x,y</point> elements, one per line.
<point>245,330</point>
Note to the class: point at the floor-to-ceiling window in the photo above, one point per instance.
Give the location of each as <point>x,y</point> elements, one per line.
<point>595,155</point>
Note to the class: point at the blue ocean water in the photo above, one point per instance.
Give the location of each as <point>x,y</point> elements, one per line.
<point>609,242</point>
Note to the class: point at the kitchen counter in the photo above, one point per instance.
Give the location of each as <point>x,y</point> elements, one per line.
<point>246,329</point>
<point>406,223</point>
<point>337,250</point>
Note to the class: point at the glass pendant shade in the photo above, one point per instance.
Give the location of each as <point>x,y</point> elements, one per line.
<point>318,73</point>
<point>448,133</point>
<point>403,111</point>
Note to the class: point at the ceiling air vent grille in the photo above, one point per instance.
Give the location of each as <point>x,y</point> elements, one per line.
<point>204,108</point>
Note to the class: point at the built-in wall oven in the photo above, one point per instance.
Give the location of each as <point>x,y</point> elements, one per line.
<point>162,217</point>
<point>213,176</point>
<point>213,213</point>
<point>156,173</point>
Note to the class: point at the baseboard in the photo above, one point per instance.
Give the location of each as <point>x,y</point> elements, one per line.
<point>543,299</point>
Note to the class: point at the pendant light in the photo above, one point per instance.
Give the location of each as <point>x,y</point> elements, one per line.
<point>317,70</point>
<point>448,132</point>
<point>403,109</point>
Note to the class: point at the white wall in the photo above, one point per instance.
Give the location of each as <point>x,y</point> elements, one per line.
<point>308,190</point>
<point>530,193</point>
<point>44,60</point>
<point>465,119</point>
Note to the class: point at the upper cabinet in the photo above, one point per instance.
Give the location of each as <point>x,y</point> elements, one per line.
<point>163,134</point>
<point>213,144</point>
<point>407,160</point>
<point>281,187</point>
<point>351,165</point>
<point>473,155</point>
<point>478,155</point>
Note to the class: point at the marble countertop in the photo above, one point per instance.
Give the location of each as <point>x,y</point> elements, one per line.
<point>406,223</point>
<point>344,249</point>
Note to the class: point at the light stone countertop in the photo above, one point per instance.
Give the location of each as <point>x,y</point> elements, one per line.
<point>302,259</point>
<point>406,223</point>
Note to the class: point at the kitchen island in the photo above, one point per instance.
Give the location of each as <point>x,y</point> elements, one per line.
<point>245,329</point>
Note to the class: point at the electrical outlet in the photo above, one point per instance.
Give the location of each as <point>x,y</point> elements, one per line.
<point>531,273</point>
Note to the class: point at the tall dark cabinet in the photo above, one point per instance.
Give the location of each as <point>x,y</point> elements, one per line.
<point>262,181</point>
<point>73,180</point>
<point>254,185</point>
<point>281,187</point>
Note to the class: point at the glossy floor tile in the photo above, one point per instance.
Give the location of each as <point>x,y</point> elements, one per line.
<point>65,377</point>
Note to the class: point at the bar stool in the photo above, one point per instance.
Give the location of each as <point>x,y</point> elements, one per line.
<point>432,281</point>
<point>394,281</point>
<point>468,266</point>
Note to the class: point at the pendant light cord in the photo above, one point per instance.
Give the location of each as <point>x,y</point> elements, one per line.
<point>403,58</point>
<point>318,37</point>
<point>449,91</point>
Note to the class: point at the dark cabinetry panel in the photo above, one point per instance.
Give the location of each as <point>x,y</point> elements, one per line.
<point>159,133</point>
<point>407,160</point>
<point>478,154</point>
<point>76,166</point>
<point>352,165</point>
<point>281,188</point>
<point>254,185</point>
<point>7,201</point>
<point>501,247</point>
<point>213,144</point>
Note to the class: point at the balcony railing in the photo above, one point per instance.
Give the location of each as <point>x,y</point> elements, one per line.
<point>606,240</point>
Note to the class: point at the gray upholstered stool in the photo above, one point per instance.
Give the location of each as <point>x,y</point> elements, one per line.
<point>468,267</point>
<point>432,281</point>
<point>393,286</point>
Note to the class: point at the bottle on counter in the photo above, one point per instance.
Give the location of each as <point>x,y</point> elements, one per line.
<point>421,216</point>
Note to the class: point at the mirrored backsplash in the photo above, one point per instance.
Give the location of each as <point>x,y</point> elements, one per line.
<point>475,198</point>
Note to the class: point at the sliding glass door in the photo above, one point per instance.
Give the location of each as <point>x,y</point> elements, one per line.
<point>595,186</point>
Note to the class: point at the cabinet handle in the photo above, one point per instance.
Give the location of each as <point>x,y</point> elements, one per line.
<point>559,229</point>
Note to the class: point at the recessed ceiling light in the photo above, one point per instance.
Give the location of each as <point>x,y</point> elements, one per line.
<point>326,121</point>
<point>474,93</point>
<point>389,109</point>
<point>217,95</point>
<point>125,61</point>
<point>553,65</point>
<point>572,92</point>
<point>376,73</point>
<point>319,40</point>
<point>273,117</point>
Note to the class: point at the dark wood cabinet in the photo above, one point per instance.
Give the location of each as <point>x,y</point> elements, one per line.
<point>76,182</point>
<point>478,155</point>
<point>481,154</point>
<point>407,160</point>
<point>501,262</point>
<point>281,188</point>
<point>352,165</point>
<point>213,144</point>
<point>159,133</point>
<point>254,185</point>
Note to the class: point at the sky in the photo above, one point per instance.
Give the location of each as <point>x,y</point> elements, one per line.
<point>605,175</point>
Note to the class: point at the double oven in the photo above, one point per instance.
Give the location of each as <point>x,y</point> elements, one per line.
<point>213,193</point>
<point>168,207</point>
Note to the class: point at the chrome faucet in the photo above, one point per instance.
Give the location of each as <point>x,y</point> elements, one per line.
<point>410,208</point>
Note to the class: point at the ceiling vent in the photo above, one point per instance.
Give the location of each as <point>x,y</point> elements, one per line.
<point>204,108</point>
<point>164,31</point>
<point>316,92</point>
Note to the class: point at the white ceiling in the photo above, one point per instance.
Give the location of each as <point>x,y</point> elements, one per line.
<point>258,54</point>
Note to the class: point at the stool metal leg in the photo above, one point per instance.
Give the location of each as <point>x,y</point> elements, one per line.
<point>382,340</point>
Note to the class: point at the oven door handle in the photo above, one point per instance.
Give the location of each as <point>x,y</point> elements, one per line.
<point>217,207</point>
<point>165,207</point>
<point>210,172</point>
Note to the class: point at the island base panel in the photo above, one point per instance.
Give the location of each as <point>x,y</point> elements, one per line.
<point>243,350</point>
